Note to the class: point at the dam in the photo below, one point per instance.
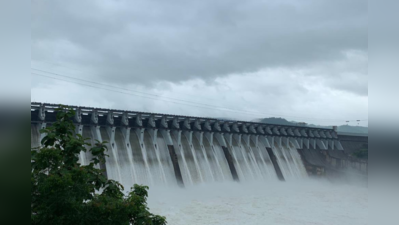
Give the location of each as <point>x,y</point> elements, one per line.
<point>174,150</point>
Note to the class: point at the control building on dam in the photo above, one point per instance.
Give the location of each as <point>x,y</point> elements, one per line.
<point>173,150</point>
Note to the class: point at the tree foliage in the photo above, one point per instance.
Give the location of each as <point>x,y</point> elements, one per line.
<point>361,154</point>
<point>65,192</point>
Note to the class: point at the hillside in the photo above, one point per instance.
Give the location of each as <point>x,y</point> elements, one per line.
<point>342,128</point>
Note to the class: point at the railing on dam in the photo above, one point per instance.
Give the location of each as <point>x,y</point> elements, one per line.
<point>299,136</point>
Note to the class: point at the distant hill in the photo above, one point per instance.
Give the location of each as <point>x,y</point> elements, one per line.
<point>278,121</point>
<point>343,128</point>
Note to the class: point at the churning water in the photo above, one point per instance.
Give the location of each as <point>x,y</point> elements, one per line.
<point>263,203</point>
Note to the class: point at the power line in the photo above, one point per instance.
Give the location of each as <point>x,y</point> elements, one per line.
<point>187,103</point>
<point>210,107</point>
<point>111,86</point>
<point>160,96</point>
<point>140,95</point>
<point>72,68</point>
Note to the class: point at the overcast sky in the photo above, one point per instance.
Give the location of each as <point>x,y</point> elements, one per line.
<point>302,60</point>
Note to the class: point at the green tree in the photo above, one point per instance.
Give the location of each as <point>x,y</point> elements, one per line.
<point>361,154</point>
<point>65,192</point>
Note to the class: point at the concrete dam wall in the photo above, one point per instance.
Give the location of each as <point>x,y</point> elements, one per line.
<point>173,150</point>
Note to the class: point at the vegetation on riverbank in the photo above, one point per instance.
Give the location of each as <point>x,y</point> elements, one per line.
<point>65,192</point>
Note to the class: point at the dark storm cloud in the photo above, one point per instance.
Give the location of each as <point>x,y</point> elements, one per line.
<point>144,41</point>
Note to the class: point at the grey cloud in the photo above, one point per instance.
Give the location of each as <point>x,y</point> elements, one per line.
<point>349,74</point>
<point>149,41</point>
